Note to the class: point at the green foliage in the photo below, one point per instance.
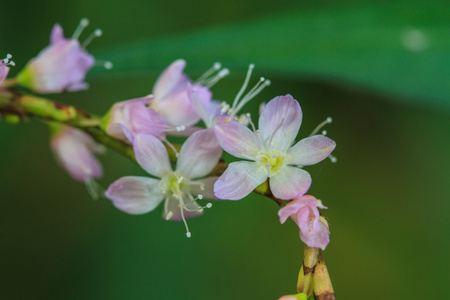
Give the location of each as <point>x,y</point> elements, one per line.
<point>399,48</point>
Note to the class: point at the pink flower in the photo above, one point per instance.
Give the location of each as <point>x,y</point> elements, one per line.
<point>171,96</point>
<point>75,150</point>
<point>4,69</point>
<point>139,195</point>
<point>270,153</point>
<point>129,118</point>
<point>61,66</point>
<point>314,230</point>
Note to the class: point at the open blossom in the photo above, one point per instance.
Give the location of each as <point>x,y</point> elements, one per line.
<point>129,118</point>
<point>138,195</point>
<point>304,211</point>
<point>171,96</point>
<point>270,153</point>
<point>4,69</point>
<point>75,150</point>
<point>61,66</point>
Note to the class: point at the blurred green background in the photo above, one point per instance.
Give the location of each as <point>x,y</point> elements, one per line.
<point>381,69</point>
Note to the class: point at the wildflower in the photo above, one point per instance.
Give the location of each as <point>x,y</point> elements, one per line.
<point>171,94</point>
<point>74,150</point>
<point>128,118</point>
<point>314,230</point>
<point>61,66</point>
<point>270,152</point>
<point>4,69</point>
<point>138,195</point>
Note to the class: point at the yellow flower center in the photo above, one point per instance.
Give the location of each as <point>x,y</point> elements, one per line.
<point>272,162</point>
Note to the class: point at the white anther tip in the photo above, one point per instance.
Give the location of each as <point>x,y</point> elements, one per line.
<point>98,32</point>
<point>8,56</point>
<point>329,120</point>
<point>217,65</point>
<point>188,234</point>
<point>209,205</point>
<point>251,66</point>
<point>324,132</point>
<point>200,197</point>
<point>262,79</point>
<point>84,22</point>
<point>108,65</point>
<point>12,63</point>
<point>224,72</point>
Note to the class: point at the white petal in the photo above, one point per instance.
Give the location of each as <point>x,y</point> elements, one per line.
<point>199,154</point>
<point>289,183</point>
<point>311,150</point>
<point>239,180</point>
<point>280,121</point>
<point>135,195</point>
<point>151,155</point>
<point>237,140</point>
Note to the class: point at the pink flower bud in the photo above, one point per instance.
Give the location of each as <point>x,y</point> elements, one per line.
<point>131,117</point>
<point>74,151</point>
<point>61,66</point>
<point>314,230</point>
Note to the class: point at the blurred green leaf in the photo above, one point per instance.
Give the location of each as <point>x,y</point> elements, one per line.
<point>400,48</point>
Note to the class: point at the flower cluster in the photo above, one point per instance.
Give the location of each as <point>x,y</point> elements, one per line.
<point>269,155</point>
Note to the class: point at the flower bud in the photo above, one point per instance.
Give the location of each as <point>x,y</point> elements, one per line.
<point>61,66</point>
<point>74,150</point>
<point>128,118</point>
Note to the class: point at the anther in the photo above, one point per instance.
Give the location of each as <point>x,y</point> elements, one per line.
<point>209,205</point>
<point>96,33</point>
<point>332,158</point>
<point>180,128</point>
<point>188,234</point>
<point>200,196</point>
<point>180,179</point>
<point>108,65</point>
<point>324,132</point>
<point>8,56</point>
<point>169,215</point>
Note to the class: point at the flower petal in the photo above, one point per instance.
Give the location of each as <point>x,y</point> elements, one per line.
<point>135,195</point>
<point>199,154</point>
<point>204,187</point>
<point>237,139</point>
<point>291,208</point>
<point>311,150</point>
<point>239,180</point>
<point>57,34</point>
<point>170,78</point>
<point>172,209</point>
<point>280,121</point>
<point>290,182</point>
<point>151,155</point>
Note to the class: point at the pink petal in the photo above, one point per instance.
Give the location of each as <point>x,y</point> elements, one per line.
<point>57,34</point>
<point>151,155</point>
<point>290,182</point>
<point>237,139</point>
<point>311,150</point>
<point>290,209</point>
<point>135,195</point>
<point>280,121</point>
<point>172,205</point>
<point>199,154</point>
<point>170,79</point>
<point>239,180</point>
<point>204,187</point>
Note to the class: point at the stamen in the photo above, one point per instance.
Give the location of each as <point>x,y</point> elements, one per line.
<point>180,179</point>
<point>332,158</point>
<point>224,107</point>
<point>83,24</point>
<point>262,83</point>
<point>169,216</point>
<point>251,122</point>
<point>244,86</point>
<point>105,64</point>
<point>180,198</point>
<point>7,60</point>
<point>96,33</point>
<point>171,147</point>
<point>212,81</point>
<point>316,130</point>
<point>216,66</point>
